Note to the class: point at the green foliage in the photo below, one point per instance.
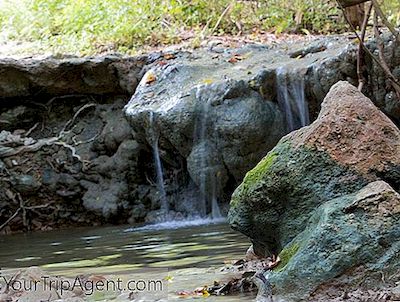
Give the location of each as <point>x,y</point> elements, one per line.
<point>88,26</point>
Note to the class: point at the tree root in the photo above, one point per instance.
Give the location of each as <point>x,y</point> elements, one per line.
<point>29,145</point>
<point>24,209</point>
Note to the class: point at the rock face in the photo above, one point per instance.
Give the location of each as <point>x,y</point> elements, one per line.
<point>67,76</point>
<point>218,111</point>
<point>316,197</point>
<point>219,127</point>
<point>322,75</point>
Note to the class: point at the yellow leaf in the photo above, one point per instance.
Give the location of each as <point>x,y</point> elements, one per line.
<point>150,77</point>
<point>169,279</point>
<point>208,81</point>
<point>206,293</point>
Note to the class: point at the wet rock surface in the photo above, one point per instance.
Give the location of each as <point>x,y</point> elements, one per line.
<point>217,110</point>
<point>322,200</point>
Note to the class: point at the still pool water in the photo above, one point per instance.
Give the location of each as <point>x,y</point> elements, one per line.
<point>191,254</point>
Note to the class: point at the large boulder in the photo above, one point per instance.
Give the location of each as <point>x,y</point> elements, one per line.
<point>216,112</point>
<point>207,115</point>
<point>291,193</point>
<point>361,229</point>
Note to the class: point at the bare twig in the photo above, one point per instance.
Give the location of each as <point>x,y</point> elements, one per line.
<point>388,73</point>
<point>385,21</point>
<point>224,13</point>
<point>10,219</point>
<point>77,143</point>
<point>68,146</point>
<point>31,130</point>
<point>381,54</point>
<point>72,121</point>
<point>42,206</point>
<point>22,207</point>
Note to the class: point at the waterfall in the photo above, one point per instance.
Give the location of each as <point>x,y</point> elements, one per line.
<point>200,138</point>
<point>158,165</point>
<point>291,98</point>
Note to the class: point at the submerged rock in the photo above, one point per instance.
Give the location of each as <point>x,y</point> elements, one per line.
<point>310,197</point>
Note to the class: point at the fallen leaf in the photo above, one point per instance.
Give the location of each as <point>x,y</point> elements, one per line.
<point>169,279</point>
<point>233,60</point>
<point>274,262</point>
<point>150,78</point>
<point>169,56</point>
<point>208,81</point>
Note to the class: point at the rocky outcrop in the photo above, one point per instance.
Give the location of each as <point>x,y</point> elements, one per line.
<point>69,76</point>
<point>212,114</point>
<point>322,75</point>
<point>319,197</point>
<point>217,111</point>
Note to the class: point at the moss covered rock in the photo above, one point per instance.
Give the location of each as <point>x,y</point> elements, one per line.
<point>296,195</point>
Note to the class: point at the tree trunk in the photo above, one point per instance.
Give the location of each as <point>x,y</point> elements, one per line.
<point>347,3</point>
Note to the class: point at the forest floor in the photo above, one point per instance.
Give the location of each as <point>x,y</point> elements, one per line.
<point>190,40</point>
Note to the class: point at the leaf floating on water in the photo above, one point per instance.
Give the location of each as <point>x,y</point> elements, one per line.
<point>274,262</point>
<point>150,78</point>
<point>233,60</point>
<point>169,279</point>
<point>198,292</point>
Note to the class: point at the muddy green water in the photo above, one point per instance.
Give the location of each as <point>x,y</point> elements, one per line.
<point>192,255</point>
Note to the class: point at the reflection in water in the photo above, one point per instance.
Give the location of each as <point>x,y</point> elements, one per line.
<point>192,255</point>
<point>201,246</point>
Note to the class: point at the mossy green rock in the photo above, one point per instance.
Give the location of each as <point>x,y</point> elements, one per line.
<point>277,197</point>
<point>294,202</point>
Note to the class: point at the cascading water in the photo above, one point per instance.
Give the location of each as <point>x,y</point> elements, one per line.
<point>200,137</point>
<point>158,165</point>
<point>291,98</point>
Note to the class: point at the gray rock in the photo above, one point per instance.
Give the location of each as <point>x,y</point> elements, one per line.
<point>25,183</point>
<point>65,76</point>
<point>104,198</point>
<point>360,229</point>
<point>318,198</point>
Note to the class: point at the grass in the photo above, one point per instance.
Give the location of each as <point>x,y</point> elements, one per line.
<point>92,26</point>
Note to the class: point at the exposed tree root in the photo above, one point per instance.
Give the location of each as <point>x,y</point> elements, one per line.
<point>15,144</point>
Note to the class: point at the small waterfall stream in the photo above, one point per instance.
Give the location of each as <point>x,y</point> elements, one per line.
<point>291,98</point>
<point>200,137</point>
<point>158,165</point>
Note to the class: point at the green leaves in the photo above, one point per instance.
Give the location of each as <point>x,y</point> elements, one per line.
<point>88,26</point>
